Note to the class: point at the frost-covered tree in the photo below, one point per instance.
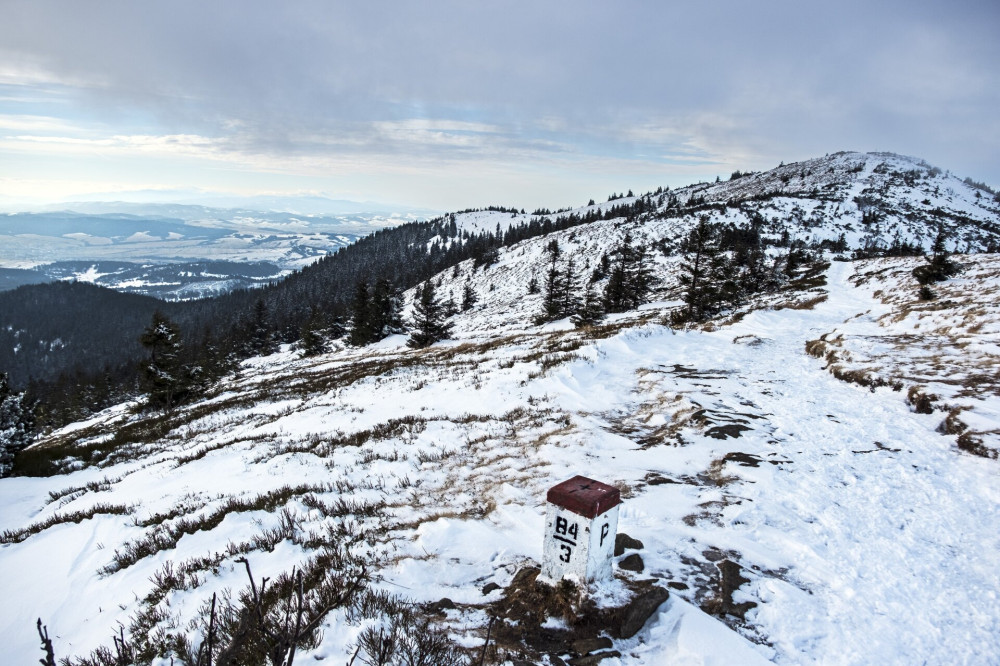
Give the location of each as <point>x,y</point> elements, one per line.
<point>429,322</point>
<point>940,267</point>
<point>164,375</point>
<point>313,336</point>
<point>16,425</point>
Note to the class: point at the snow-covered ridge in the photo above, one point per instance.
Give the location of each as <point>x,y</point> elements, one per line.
<point>821,198</point>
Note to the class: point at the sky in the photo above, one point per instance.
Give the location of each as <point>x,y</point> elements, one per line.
<point>455,104</point>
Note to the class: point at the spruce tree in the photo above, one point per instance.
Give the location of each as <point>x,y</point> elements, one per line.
<point>164,375</point>
<point>553,296</point>
<point>469,297</point>
<point>384,317</point>
<point>939,267</point>
<point>589,310</point>
<point>429,324</point>
<point>262,340</point>
<point>631,277</point>
<point>16,425</point>
<point>701,272</point>
<point>362,331</point>
<point>313,340</point>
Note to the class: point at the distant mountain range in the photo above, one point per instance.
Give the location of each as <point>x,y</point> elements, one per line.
<point>172,232</point>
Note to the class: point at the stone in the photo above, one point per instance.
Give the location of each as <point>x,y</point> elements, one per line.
<point>525,576</point>
<point>490,587</point>
<point>639,610</point>
<point>442,605</point>
<point>730,579</point>
<point>677,585</point>
<point>632,563</point>
<point>623,541</point>
<point>585,646</point>
<point>593,659</point>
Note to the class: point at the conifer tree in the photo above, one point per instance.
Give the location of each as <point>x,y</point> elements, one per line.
<point>164,375</point>
<point>469,297</point>
<point>701,272</point>
<point>552,297</point>
<point>384,316</point>
<point>429,324</point>
<point>590,310</point>
<point>262,340</point>
<point>313,339</point>
<point>631,277</point>
<point>16,425</point>
<point>939,267</point>
<point>362,331</point>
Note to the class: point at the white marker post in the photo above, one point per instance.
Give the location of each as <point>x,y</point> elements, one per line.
<point>580,526</point>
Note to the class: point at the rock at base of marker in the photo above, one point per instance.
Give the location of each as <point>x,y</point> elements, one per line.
<point>623,542</point>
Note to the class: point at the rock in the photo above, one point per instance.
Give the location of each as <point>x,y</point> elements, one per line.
<point>442,605</point>
<point>623,541</point>
<point>632,563</point>
<point>525,576</point>
<point>677,585</point>
<point>490,587</point>
<point>730,579</point>
<point>585,646</point>
<point>593,659</point>
<point>639,610</point>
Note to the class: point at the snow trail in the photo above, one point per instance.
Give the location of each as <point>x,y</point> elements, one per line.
<point>885,532</point>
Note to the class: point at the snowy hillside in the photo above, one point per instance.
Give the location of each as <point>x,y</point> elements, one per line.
<point>853,530</point>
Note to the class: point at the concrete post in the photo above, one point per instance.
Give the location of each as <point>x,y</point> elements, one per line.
<point>581,522</point>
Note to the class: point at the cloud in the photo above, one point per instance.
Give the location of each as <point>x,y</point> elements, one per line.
<point>295,86</point>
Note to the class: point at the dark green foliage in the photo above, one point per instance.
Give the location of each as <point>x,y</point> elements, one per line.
<point>375,314</point>
<point>590,310</point>
<point>313,338</point>
<point>631,277</point>
<point>386,303</point>
<point>429,324</point>
<point>17,425</point>
<point>558,300</point>
<point>702,272</point>
<point>362,332</point>
<point>469,297</point>
<point>165,377</point>
<point>262,340</point>
<point>940,267</point>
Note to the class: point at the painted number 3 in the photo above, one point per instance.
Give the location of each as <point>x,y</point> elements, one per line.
<point>567,552</point>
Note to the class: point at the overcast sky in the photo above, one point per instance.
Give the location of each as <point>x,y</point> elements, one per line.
<point>456,104</point>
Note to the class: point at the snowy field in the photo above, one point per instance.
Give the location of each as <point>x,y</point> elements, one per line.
<point>865,535</point>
